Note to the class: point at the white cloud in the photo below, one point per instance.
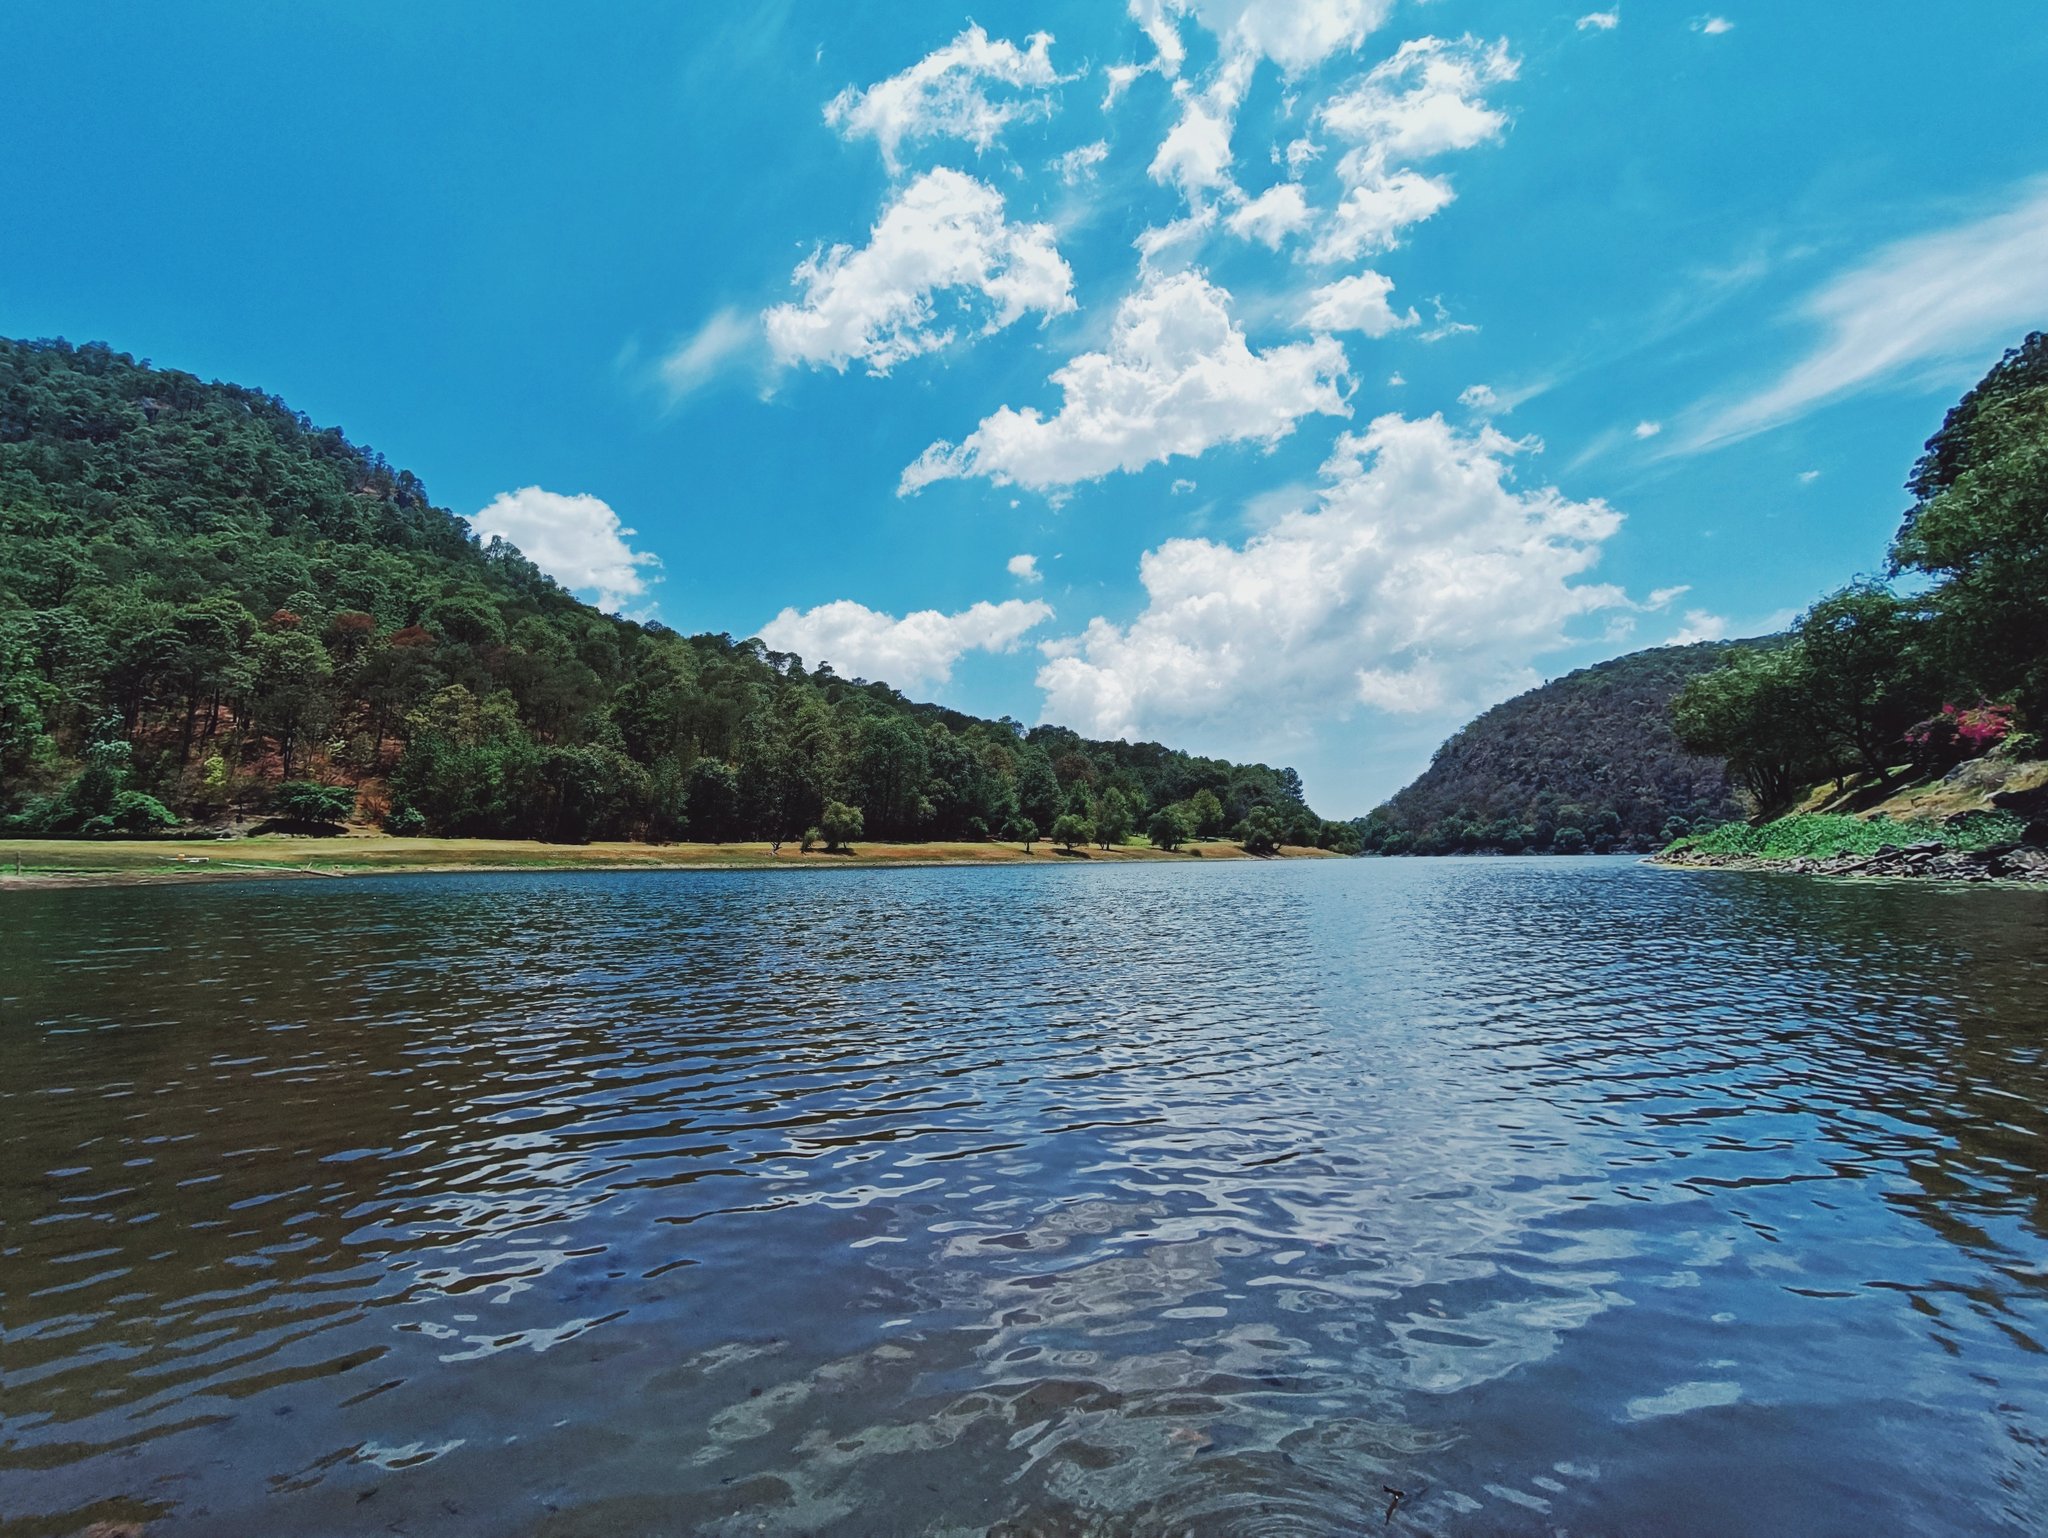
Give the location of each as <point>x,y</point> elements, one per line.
<point>577,540</point>
<point>1195,155</point>
<point>1663,597</point>
<point>946,95</point>
<point>716,344</point>
<point>944,232</point>
<point>1396,379</point>
<point>1648,429</point>
<point>1177,378</point>
<point>1425,101</point>
<point>1478,397</point>
<point>1600,21</point>
<point>1156,18</point>
<point>1421,580</point>
<point>1713,26</point>
<point>1025,568</point>
<point>1808,477</point>
<point>1078,165</point>
<point>1176,237</point>
<point>1445,326</point>
<point>910,652</point>
<point>1700,625</point>
<point>1181,487</point>
<point>1281,210</point>
<point>1294,34</point>
<point>1356,303</point>
<point>1923,302</point>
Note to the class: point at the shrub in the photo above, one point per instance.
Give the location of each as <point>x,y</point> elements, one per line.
<point>841,824</point>
<point>1820,835</point>
<point>812,838</point>
<point>404,820</point>
<point>305,801</point>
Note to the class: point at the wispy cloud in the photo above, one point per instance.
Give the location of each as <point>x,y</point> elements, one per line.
<point>713,347</point>
<point>1713,26</point>
<point>1926,301</point>
<point>1600,21</point>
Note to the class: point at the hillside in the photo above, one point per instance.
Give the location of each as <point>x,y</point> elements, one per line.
<point>1586,762</point>
<point>213,611</point>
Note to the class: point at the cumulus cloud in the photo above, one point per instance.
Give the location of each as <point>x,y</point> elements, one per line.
<point>1425,101</point>
<point>1195,155</point>
<point>1478,397</point>
<point>723,339</point>
<point>1925,302</point>
<point>1357,303</point>
<point>1422,579</point>
<point>1025,568</point>
<point>944,233</point>
<point>947,95</point>
<point>1600,21</point>
<point>910,652</point>
<point>578,540</point>
<point>1272,216</point>
<point>1648,429</point>
<point>1295,34</point>
<point>1177,378</point>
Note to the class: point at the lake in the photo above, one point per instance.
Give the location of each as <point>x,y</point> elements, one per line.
<point>1228,1199</point>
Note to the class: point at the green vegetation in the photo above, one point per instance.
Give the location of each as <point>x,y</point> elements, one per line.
<point>1588,762</point>
<point>1879,683</point>
<point>212,610</point>
<point>1820,835</point>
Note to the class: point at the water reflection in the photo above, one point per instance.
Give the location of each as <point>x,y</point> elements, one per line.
<point>1233,1200</point>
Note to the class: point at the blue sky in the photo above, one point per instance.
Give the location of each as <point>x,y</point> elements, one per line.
<point>1341,366</point>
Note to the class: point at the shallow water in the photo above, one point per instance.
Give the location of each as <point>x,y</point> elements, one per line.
<point>1560,1195</point>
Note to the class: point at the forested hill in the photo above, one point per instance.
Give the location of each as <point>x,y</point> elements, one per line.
<point>1586,762</point>
<point>211,609</point>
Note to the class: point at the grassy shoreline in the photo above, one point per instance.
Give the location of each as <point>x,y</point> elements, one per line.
<point>26,863</point>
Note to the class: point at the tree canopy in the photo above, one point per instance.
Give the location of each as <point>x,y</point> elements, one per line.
<point>206,599</point>
<point>1874,679</point>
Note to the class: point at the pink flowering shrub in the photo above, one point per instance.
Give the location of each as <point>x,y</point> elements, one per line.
<point>1959,732</point>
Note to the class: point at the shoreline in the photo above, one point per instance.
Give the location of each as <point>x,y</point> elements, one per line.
<point>2018,867</point>
<point>44,864</point>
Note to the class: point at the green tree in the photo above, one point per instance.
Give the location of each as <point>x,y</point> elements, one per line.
<point>1038,789</point>
<point>307,801</point>
<point>291,700</point>
<point>1261,831</point>
<point>1022,830</point>
<point>1069,829</point>
<point>713,797</point>
<point>1858,645</point>
<point>1980,529</point>
<point>1171,826</point>
<point>1113,819</point>
<point>841,824</point>
<point>1755,713</point>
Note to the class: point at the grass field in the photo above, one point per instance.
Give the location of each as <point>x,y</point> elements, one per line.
<point>76,861</point>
